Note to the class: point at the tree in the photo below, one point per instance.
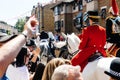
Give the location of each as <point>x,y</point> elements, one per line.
<point>20,24</point>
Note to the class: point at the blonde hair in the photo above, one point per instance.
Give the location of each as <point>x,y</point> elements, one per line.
<point>51,65</point>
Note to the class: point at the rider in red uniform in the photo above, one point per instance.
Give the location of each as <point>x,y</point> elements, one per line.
<point>93,40</point>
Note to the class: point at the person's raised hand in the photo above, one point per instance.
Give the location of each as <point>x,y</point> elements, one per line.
<point>30,27</point>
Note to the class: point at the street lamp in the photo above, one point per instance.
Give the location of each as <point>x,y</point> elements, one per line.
<point>38,17</point>
<point>42,7</point>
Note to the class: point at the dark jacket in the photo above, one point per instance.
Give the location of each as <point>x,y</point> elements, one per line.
<point>111,37</point>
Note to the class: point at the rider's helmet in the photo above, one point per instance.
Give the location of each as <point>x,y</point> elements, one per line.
<point>30,43</point>
<point>44,35</point>
<point>114,69</point>
<point>114,10</point>
<point>93,15</point>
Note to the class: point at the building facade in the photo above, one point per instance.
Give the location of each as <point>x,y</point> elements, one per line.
<point>8,29</point>
<point>66,15</point>
<point>103,9</point>
<point>44,14</point>
<point>99,5</point>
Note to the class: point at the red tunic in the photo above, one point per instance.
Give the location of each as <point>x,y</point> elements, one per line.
<point>93,39</point>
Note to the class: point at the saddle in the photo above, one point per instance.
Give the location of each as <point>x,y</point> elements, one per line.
<point>95,56</point>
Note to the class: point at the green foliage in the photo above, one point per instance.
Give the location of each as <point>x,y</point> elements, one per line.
<point>20,24</point>
<point>8,32</point>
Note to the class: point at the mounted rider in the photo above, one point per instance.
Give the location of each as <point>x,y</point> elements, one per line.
<point>43,35</point>
<point>45,46</point>
<point>93,39</point>
<point>44,43</point>
<point>113,28</point>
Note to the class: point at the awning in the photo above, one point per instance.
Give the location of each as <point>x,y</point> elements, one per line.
<point>79,15</point>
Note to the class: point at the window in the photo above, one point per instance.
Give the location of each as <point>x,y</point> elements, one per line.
<point>57,26</point>
<point>80,4</point>
<point>74,6</point>
<point>62,23</point>
<point>57,10</point>
<point>103,13</point>
<point>88,1</point>
<point>61,7</point>
<point>79,20</point>
<point>74,22</point>
<point>3,30</point>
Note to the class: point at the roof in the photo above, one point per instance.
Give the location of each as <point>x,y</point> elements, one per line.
<point>61,2</point>
<point>2,34</point>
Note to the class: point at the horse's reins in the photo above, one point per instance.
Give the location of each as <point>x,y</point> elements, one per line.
<point>113,46</point>
<point>67,43</point>
<point>74,52</point>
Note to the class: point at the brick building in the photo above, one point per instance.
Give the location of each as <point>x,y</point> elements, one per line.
<point>67,18</point>
<point>6,28</point>
<point>44,14</point>
<point>105,5</point>
<point>100,5</point>
<point>66,14</point>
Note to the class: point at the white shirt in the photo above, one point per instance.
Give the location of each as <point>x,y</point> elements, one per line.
<point>17,73</point>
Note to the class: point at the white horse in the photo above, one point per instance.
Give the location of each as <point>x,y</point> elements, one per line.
<point>45,54</point>
<point>94,70</point>
<point>71,41</point>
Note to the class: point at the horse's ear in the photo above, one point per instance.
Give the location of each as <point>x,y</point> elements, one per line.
<point>73,33</point>
<point>67,34</point>
<point>64,35</point>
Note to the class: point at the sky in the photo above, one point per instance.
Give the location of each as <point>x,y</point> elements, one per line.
<point>11,10</point>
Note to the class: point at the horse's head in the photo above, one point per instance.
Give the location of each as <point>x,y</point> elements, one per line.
<point>73,42</point>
